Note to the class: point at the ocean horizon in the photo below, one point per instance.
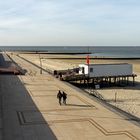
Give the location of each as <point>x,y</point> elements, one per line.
<point>96,51</point>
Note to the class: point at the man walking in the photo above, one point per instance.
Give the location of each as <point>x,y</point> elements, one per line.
<point>64,95</point>
<point>59,96</point>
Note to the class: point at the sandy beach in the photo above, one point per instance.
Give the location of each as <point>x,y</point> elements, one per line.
<point>128,98</point>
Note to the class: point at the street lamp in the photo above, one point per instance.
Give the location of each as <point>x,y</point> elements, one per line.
<point>40,64</point>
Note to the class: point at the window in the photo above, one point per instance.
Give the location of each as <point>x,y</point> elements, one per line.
<point>91,69</point>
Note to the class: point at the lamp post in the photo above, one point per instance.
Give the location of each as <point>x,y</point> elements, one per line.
<point>88,63</point>
<point>40,64</point>
<point>88,71</point>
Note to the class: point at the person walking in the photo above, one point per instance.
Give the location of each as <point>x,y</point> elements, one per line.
<point>59,96</point>
<point>64,95</point>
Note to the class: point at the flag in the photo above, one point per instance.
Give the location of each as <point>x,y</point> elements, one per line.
<point>87,59</point>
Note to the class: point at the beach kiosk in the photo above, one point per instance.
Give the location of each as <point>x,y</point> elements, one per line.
<point>117,73</point>
<point>103,70</point>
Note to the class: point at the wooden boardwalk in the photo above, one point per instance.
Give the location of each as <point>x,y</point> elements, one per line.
<point>30,111</point>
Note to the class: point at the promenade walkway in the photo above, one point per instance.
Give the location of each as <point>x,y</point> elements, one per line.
<point>30,111</point>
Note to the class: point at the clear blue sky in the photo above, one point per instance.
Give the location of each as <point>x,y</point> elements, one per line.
<point>70,22</point>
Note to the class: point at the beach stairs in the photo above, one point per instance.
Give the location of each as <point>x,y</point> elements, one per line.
<point>96,94</point>
<point>9,71</point>
<point>8,66</point>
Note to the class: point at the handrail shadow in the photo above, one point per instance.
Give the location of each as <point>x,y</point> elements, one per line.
<point>79,105</point>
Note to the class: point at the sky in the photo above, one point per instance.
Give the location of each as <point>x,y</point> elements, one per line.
<point>69,22</point>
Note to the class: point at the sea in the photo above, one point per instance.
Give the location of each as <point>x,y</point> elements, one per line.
<point>96,51</point>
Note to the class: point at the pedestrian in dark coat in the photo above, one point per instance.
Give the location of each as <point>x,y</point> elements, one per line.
<point>59,96</point>
<point>64,95</point>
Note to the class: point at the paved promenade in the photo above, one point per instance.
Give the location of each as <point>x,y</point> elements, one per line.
<point>30,111</point>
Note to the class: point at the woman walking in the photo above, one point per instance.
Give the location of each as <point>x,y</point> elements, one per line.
<point>59,96</point>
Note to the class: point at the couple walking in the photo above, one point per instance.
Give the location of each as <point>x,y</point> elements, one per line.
<point>62,95</point>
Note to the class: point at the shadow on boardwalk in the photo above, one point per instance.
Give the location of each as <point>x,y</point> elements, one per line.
<point>19,111</point>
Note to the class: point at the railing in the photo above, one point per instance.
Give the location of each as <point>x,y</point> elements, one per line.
<point>96,94</point>
<point>74,77</point>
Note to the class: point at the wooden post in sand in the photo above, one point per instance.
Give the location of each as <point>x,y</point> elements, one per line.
<point>115,96</point>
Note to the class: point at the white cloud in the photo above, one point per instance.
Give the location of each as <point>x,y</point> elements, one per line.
<point>68,21</point>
